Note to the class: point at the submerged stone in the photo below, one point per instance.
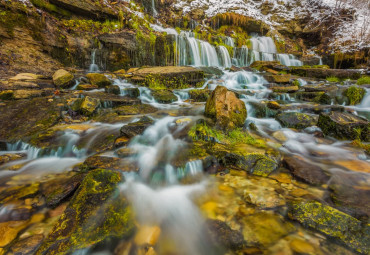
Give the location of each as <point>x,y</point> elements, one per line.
<point>97,211</point>
<point>333,223</point>
<point>225,108</point>
<point>305,171</point>
<point>343,125</point>
<point>63,78</point>
<point>297,120</point>
<point>223,236</point>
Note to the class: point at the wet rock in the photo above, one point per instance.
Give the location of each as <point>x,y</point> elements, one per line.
<point>147,235</point>
<point>125,152</point>
<point>262,65</point>
<point>273,105</point>
<point>321,87</point>
<point>5,158</point>
<point>99,80</point>
<point>343,125</point>
<point>136,128</point>
<point>301,246</point>
<point>282,78</point>
<point>253,163</point>
<point>172,77</point>
<point>226,109</point>
<point>7,95</point>
<point>89,105</point>
<point>27,245</point>
<point>297,120</point>
<point>265,228</point>
<point>60,188</point>
<point>92,215</point>
<point>9,231</point>
<point>19,192</point>
<point>354,94</point>
<point>135,109</point>
<point>111,100</point>
<point>305,171</point>
<point>283,89</point>
<point>323,73</point>
<point>106,162</point>
<point>223,236</point>
<point>25,77</point>
<point>28,93</point>
<point>199,95</point>
<point>333,223</point>
<point>350,194</point>
<point>164,96</point>
<point>132,92</point>
<point>113,89</point>
<point>261,110</point>
<point>63,79</point>
<point>86,87</point>
<point>27,117</point>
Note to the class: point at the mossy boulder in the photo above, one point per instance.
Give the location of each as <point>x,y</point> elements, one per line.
<point>333,223</point>
<point>89,105</point>
<point>199,95</point>
<point>282,78</point>
<point>63,78</point>
<point>113,89</point>
<point>297,120</point>
<point>261,110</point>
<point>96,211</point>
<point>99,80</point>
<point>226,109</point>
<point>136,128</point>
<point>132,92</point>
<point>164,96</point>
<point>343,125</point>
<point>253,163</point>
<point>354,94</point>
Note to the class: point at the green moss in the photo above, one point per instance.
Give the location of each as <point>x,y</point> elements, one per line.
<point>296,83</point>
<point>321,66</point>
<point>50,7</point>
<point>236,136</point>
<point>333,79</point>
<point>363,80</point>
<point>354,94</point>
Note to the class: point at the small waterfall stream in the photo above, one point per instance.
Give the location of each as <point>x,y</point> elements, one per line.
<point>93,66</point>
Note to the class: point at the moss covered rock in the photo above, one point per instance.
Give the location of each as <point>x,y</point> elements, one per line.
<point>354,94</point>
<point>225,108</point>
<point>89,105</point>
<point>135,109</point>
<point>282,78</point>
<point>199,95</point>
<point>343,125</point>
<point>333,223</point>
<point>97,211</point>
<point>99,80</point>
<point>113,89</point>
<point>164,96</point>
<point>297,120</point>
<point>7,95</point>
<point>86,87</point>
<point>63,78</point>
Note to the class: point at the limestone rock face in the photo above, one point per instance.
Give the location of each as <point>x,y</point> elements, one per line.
<point>62,78</point>
<point>343,125</point>
<point>226,109</point>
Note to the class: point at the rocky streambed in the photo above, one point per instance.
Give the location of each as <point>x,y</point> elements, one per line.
<point>184,160</point>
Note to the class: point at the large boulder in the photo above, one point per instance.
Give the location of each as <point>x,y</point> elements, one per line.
<point>99,80</point>
<point>297,120</point>
<point>333,223</point>
<point>63,78</point>
<point>343,125</point>
<point>225,108</point>
<point>97,211</point>
<point>89,105</point>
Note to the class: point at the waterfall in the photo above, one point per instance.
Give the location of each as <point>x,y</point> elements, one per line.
<point>93,67</point>
<point>208,54</point>
<point>229,41</point>
<point>225,57</point>
<point>320,61</point>
<point>154,11</point>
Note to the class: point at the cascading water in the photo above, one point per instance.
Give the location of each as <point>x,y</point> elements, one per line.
<point>93,66</point>
<point>225,57</point>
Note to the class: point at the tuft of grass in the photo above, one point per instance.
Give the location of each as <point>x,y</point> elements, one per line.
<point>332,79</point>
<point>363,80</point>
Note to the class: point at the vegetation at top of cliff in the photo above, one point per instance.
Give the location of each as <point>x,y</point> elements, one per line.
<point>91,26</point>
